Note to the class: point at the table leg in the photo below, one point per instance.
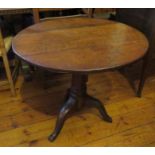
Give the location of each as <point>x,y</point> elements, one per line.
<point>96,103</point>
<point>76,97</point>
<point>61,117</point>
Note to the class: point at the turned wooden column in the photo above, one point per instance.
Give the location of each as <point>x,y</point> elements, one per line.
<point>77,96</point>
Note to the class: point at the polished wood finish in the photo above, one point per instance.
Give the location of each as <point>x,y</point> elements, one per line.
<point>102,44</point>
<point>79,46</point>
<point>37,18</point>
<point>28,118</point>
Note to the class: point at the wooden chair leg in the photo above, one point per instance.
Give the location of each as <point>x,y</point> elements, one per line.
<point>142,76</point>
<point>16,69</point>
<point>8,74</point>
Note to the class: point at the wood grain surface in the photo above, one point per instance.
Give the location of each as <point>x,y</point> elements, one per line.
<point>80,44</point>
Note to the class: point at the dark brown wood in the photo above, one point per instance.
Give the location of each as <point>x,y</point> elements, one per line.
<point>88,45</point>
<point>79,46</point>
<point>77,97</point>
<point>142,76</point>
<point>37,18</point>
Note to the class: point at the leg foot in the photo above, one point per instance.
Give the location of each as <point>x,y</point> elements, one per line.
<point>143,75</point>
<point>96,103</point>
<point>61,117</point>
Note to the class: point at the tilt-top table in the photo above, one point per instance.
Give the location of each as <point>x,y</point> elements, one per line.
<point>79,46</point>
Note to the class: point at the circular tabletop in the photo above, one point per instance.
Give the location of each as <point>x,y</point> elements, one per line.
<point>80,44</point>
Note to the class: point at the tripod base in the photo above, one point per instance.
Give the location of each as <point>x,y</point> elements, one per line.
<point>77,96</point>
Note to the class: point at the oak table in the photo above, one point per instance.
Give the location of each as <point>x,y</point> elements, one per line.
<point>79,46</point>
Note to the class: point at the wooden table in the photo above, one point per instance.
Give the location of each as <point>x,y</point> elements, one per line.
<point>79,46</point>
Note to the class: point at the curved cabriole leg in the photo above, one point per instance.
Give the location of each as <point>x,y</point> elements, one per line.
<point>96,103</point>
<point>77,96</point>
<point>61,117</point>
